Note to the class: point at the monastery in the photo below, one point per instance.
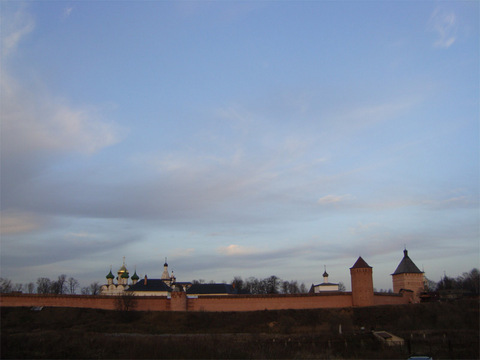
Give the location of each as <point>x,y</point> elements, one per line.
<point>166,294</point>
<point>406,277</point>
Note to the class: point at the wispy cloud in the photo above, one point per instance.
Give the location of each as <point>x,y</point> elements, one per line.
<point>14,28</point>
<point>35,122</point>
<point>17,222</point>
<point>67,12</point>
<point>233,249</point>
<point>333,199</point>
<point>444,24</point>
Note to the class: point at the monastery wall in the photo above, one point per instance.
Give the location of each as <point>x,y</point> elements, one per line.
<point>270,302</point>
<point>391,299</point>
<point>179,301</point>
<point>78,301</point>
<point>81,301</point>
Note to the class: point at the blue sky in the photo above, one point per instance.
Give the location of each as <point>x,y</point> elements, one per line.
<point>239,138</point>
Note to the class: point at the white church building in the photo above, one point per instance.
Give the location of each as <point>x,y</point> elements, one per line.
<point>325,286</point>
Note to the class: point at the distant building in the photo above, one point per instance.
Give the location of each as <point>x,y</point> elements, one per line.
<point>407,276</point>
<point>325,286</point>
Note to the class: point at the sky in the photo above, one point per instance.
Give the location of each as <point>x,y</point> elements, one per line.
<point>239,138</point>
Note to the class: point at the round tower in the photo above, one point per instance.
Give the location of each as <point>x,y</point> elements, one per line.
<point>362,283</point>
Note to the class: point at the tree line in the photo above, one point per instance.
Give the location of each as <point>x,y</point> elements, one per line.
<point>44,285</point>
<point>468,282</point>
<point>269,285</point>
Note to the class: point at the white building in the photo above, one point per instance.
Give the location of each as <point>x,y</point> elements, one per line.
<point>325,286</point>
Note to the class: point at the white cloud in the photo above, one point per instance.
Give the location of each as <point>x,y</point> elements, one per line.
<point>33,121</point>
<point>233,250</point>
<point>333,199</point>
<point>444,24</point>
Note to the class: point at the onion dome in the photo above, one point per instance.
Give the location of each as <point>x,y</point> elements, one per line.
<point>123,269</point>
<point>110,275</point>
<point>325,274</point>
<point>125,275</point>
<point>135,276</point>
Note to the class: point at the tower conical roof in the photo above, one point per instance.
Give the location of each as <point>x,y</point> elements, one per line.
<point>407,266</point>
<point>360,263</point>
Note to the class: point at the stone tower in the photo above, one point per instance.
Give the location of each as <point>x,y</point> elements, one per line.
<point>362,283</point>
<point>408,276</point>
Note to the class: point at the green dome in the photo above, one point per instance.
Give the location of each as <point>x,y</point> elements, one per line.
<point>110,275</point>
<point>135,276</point>
<point>125,275</point>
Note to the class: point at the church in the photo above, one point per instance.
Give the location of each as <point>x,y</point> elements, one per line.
<point>325,286</point>
<point>159,287</point>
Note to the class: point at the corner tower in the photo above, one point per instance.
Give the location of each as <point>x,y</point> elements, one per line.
<point>362,283</point>
<point>408,276</point>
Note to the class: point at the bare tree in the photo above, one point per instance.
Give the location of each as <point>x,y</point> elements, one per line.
<point>18,287</point>
<point>30,287</point>
<point>238,283</point>
<point>85,290</point>
<point>5,285</point>
<point>341,286</point>
<point>94,288</point>
<point>303,288</point>
<point>293,287</point>
<point>73,284</point>
<point>44,285</point>
<point>126,302</point>
<point>62,284</point>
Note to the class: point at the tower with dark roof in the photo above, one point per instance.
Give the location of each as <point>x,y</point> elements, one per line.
<point>361,275</point>
<point>408,276</point>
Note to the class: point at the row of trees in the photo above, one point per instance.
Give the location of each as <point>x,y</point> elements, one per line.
<point>269,285</point>
<point>468,282</point>
<point>63,285</point>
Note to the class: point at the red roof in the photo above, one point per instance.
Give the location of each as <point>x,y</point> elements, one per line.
<point>360,264</point>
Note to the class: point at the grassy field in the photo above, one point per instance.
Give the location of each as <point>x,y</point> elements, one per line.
<point>441,330</point>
